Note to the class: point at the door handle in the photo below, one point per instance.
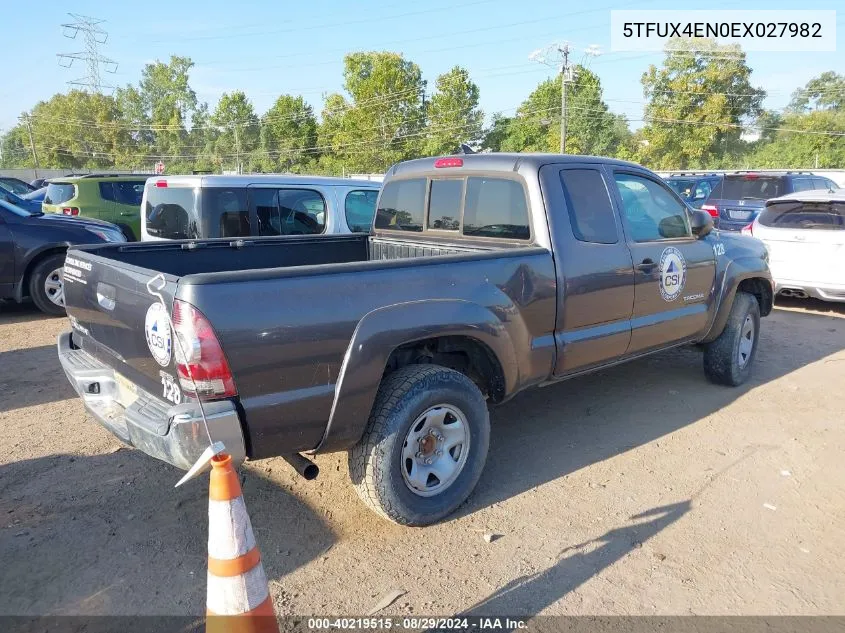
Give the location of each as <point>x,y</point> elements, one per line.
<point>647,265</point>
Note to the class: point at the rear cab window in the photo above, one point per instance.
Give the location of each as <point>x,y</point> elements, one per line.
<point>171,213</point>
<point>360,208</point>
<point>795,215</point>
<point>473,206</point>
<point>59,192</point>
<point>589,206</point>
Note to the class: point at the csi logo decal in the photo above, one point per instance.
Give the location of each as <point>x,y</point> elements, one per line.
<point>157,333</point>
<point>673,273</point>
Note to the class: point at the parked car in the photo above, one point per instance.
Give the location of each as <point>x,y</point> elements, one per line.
<point>30,201</point>
<point>743,195</point>
<point>15,185</point>
<point>32,253</point>
<point>114,198</point>
<point>483,275</point>
<point>805,235</point>
<point>694,187</point>
<point>198,207</point>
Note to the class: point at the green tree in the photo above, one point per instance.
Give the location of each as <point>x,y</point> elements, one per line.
<point>698,101</point>
<point>817,142</point>
<point>453,114</point>
<point>825,92</point>
<point>238,131</point>
<point>496,133</point>
<point>591,127</point>
<point>288,135</point>
<point>382,120</point>
<point>160,108</point>
<point>73,130</point>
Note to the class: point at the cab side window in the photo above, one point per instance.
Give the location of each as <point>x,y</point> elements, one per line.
<point>589,206</point>
<point>652,213</point>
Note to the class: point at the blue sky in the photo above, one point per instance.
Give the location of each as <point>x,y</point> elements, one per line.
<point>268,48</point>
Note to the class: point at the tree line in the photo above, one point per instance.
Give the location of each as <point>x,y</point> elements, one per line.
<point>700,104</point>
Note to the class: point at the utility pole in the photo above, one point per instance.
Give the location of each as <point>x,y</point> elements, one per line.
<point>564,71</point>
<point>237,149</point>
<point>28,122</point>
<point>557,56</point>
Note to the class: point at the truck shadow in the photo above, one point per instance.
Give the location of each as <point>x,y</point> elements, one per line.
<point>11,312</point>
<point>115,538</point>
<point>544,434</point>
<point>32,376</point>
<point>528,595</point>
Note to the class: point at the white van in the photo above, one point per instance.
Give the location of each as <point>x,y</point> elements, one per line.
<point>199,207</point>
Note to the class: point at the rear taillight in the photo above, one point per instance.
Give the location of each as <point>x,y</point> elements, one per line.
<point>70,211</point>
<point>748,229</point>
<point>200,364</point>
<point>712,210</point>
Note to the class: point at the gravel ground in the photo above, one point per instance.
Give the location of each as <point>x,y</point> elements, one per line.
<point>639,490</point>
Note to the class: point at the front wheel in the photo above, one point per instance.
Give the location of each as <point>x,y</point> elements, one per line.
<point>728,359</point>
<point>46,285</point>
<point>424,447</point>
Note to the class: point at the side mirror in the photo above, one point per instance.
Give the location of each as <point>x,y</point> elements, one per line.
<point>701,222</point>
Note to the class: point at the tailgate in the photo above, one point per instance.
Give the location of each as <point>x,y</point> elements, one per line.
<point>117,320</point>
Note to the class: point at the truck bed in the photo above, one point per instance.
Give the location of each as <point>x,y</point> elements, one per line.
<point>286,310</point>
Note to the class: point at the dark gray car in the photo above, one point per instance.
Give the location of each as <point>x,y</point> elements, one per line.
<point>741,196</point>
<point>484,275</point>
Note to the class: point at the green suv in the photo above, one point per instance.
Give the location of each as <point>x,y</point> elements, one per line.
<point>115,198</point>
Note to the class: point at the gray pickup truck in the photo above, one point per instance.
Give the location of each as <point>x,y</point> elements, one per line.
<point>483,275</point>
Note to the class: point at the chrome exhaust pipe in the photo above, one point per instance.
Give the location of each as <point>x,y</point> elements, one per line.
<point>302,465</point>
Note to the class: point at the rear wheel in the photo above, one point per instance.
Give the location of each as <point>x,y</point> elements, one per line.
<point>46,285</point>
<point>728,359</point>
<point>425,445</point>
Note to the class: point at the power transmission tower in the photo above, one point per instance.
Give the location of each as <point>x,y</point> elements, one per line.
<point>557,55</point>
<point>94,36</point>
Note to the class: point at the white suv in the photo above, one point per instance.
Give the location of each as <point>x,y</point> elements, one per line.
<point>805,235</point>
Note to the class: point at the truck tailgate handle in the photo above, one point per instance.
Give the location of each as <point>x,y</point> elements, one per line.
<point>106,296</point>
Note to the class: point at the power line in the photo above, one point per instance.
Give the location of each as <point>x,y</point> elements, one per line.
<point>94,36</point>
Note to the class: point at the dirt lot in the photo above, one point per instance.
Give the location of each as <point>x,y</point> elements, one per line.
<point>639,490</point>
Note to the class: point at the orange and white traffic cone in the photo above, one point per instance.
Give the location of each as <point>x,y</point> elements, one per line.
<point>238,595</point>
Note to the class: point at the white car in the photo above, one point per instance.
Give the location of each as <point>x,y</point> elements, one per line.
<point>804,233</point>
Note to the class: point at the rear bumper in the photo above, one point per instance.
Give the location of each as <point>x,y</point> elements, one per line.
<point>171,433</point>
<point>825,292</point>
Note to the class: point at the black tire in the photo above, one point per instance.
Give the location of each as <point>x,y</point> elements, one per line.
<point>375,463</point>
<point>721,357</point>
<point>36,284</point>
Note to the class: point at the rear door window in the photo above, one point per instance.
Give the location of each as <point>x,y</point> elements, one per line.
<point>401,205</point>
<point>804,215</point>
<point>171,213</point>
<point>444,204</point>
<point>288,211</point>
<point>128,192</point>
<point>589,206</point>
<point>107,191</point>
<point>752,187</point>
<point>225,211</point>
<point>59,192</point>
<point>496,207</point>
<point>360,207</point>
